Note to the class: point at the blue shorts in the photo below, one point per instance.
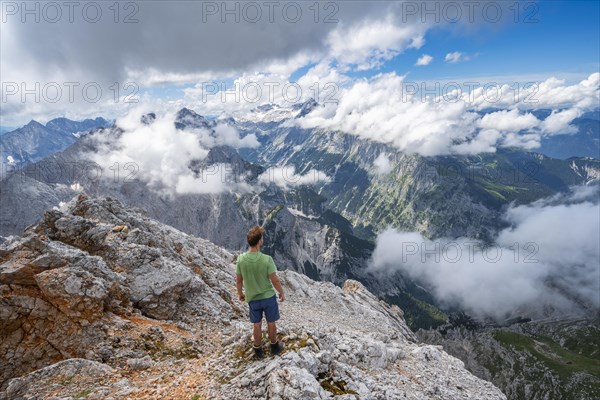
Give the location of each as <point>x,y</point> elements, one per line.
<point>268,306</point>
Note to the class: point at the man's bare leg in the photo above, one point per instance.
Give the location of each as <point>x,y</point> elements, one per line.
<point>272,329</point>
<point>257,333</point>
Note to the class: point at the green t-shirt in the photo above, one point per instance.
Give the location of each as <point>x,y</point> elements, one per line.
<point>255,269</point>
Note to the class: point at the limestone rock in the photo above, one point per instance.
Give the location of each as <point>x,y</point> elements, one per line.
<point>156,307</point>
<point>20,387</point>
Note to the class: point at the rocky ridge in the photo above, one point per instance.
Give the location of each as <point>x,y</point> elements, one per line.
<point>99,301</point>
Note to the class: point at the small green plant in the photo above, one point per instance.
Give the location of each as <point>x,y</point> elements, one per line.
<point>337,388</point>
<point>83,394</point>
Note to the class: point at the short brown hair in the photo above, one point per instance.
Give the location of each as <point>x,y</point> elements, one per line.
<point>254,235</point>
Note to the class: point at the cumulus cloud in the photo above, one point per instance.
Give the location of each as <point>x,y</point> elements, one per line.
<point>378,109</point>
<point>387,109</point>
<point>551,93</point>
<point>508,121</point>
<point>212,179</point>
<point>567,103</point>
<point>286,177</point>
<point>425,59</point>
<point>368,43</point>
<point>161,155</point>
<point>559,121</point>
<point>381,109</point>
<point>229,136</point>
<point>548,257</point>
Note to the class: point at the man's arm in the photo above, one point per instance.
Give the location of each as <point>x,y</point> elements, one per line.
<point>277,284</point>
<point>240,284</point>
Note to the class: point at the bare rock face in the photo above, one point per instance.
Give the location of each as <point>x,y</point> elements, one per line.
<point>19,387</point>
<point>61,283</point>
<point>53,297</point>
<point>99,301</point>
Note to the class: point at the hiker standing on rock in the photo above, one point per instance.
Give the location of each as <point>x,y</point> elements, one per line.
<point>257,275</point>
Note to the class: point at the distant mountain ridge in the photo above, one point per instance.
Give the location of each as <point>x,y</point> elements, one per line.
<point>326,231</point>
<point>441,196</point>
<point>35,141</point>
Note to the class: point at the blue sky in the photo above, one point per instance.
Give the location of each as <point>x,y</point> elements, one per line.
<point>565,41</point>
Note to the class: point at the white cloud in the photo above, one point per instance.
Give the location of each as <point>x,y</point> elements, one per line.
<point>229,136</point>
<point>213,179</point>
<point>161,155</point>
<point>554,93</point>
<point>554,240</point>
<point>508,121</point>
<point>527,141</point>
<point>382,164</point>
<point>379,109</point>
<point>383,109</point>
<point>376,110</point>
<point>369,42</point>
<point>486,142</point>
<point>286,177</point>
<point>456,57</point>
<point>559,121</point>
<point>551,93</point>
<point>425,59</point>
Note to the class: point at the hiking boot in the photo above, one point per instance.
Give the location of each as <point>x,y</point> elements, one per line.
<point>276,348</point>
<point>258,352</point>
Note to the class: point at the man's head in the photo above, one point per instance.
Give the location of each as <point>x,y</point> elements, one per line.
<point>255,235</point>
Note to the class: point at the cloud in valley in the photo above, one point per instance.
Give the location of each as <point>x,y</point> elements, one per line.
<point>551,248</point>
<point>161,155</point>
<point>286,177</point>
<point>382,164</point>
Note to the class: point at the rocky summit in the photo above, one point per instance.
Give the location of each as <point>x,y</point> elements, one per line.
<point>99,301</point>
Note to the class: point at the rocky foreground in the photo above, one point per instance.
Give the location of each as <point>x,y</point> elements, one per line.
<point>101,302</point>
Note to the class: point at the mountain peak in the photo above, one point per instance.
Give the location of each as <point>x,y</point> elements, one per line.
<point>33,123</point>
<point>148,119</point>
<point>186,113</point>
<point>306,107</point>
<point>186,118</point>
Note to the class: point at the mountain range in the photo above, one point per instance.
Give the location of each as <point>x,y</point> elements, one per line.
<point>327,229</point>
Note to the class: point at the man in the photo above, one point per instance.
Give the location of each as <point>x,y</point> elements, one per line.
<point>257,274</point>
